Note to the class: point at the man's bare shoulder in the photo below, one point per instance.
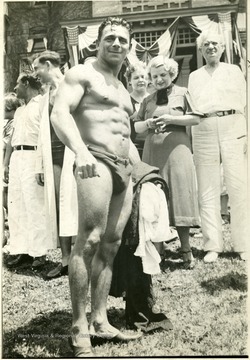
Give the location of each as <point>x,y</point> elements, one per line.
<point>79,74</point>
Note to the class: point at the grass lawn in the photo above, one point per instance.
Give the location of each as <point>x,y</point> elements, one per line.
<point>207,306</point>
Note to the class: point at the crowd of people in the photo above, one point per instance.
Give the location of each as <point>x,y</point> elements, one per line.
<point>80,159</point>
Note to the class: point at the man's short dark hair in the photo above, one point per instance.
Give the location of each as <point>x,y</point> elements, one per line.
<point>33,81</point>
<point>114,21</point>
<point>51,56</point>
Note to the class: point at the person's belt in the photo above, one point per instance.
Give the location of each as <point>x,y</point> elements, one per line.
<point>173,127</point>
<point>222,113</point>
<point>169,128</point>
<point>24,147</point>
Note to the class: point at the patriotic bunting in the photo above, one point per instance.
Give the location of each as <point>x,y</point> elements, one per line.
<point>84,39</point>
<point>161,46</point>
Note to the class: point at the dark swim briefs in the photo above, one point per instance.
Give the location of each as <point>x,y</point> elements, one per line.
<point>120,168</point>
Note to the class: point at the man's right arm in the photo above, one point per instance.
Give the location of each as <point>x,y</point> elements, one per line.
<point>68,97</point>
<point>39,172</point>
<point>6,160</point>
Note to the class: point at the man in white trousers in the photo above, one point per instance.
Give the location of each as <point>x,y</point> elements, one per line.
<point>219,91</point>
<point>29,238</point>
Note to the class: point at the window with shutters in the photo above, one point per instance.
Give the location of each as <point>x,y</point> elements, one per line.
<point>147,38</point>
<point>185,37</point>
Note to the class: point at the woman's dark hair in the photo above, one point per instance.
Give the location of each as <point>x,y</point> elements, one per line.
<point>11,102</point>
<point>114,21</point>
<point>32,80</point>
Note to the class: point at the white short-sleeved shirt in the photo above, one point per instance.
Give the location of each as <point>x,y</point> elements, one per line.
<point>26,123</point>
<point>224,90</point>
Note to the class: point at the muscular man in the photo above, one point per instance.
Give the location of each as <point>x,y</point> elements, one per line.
<point>219,91</point>
<point>51,156</point>
<point>100,139</point>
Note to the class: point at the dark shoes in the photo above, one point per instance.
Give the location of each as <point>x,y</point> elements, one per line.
<point>20,260</point>
<point>225,219</point>
<point>188,260</point>
<point>157,322</point>
<point>38,262</point>
<point>60,270</point>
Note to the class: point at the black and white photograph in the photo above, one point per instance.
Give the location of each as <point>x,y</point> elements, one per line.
<point>125,201</point>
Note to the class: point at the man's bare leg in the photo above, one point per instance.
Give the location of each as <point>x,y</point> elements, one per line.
<point>65,241</point>
<point>102,264</point>
<point>188,260</point>
<point>65,244</point>
<point>94,196</point>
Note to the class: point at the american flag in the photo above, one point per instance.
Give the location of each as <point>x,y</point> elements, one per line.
<point>225,20</point>
<point>73,33</point>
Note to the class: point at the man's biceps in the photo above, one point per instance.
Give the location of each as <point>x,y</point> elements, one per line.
<point>70,96</point>
<point>74,84</point>
<point>76,94</point>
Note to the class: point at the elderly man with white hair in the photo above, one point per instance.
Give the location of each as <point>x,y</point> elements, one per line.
<point>219,91</point>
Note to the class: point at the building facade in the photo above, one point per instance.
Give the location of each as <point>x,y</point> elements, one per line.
<point>31,27</point>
